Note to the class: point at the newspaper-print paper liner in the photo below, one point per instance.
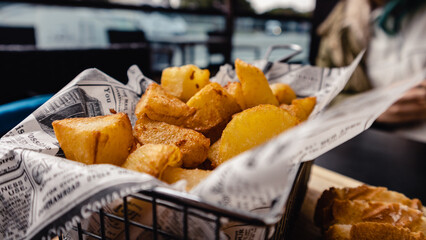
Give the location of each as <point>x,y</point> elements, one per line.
<point>42,194</point>
<point>252,171</point>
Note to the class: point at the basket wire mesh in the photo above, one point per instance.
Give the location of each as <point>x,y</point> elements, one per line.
<point>190,206</point>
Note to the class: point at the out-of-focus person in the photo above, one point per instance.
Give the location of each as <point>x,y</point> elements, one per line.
<point>394,34</point>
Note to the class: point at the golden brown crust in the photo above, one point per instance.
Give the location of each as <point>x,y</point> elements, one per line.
<point>159,105</point>
<point>371,231</point>
<point>338,232</point>
<point>369,213</point>
<point>192,144</point>
<point>153,159</point>
<point>363,192</point>
<point>192,176</point>
<point>92,140</point>
<point>214,105</point>
<point>350,212</point>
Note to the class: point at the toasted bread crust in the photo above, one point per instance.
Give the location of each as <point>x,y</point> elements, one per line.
<point>369,213</point>
<point>371,231</point>
<point>363,192</point>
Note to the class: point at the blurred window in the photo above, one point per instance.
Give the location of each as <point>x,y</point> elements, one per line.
<point>273,22</point>
<point>258,24</point>
<point>253,36</point>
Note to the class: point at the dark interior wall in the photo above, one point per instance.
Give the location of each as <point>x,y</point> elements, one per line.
<point>27,71</point>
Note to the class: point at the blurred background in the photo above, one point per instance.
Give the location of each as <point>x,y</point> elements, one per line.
<point>44,44</point>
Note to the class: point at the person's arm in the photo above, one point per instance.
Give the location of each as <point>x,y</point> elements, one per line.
<point>411,107</point>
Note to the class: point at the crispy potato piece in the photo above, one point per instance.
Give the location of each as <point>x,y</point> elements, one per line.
<point>214,105</point>
<point>290,109</point>
<point>192,176</point>
<point>213,154</point>
<point>253,127</point>
<point>153,159</point>
<point>301,108</point>
<point>283,92</point>
<point>162,106</point>
<point>305,106</point>
<point>192,144</point>
<point>235,90</point>
<point>183,82</point>
<point>254,84</point>
<point>102,139</point>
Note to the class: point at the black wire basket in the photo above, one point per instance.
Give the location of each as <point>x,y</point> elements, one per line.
<point>190,206</point>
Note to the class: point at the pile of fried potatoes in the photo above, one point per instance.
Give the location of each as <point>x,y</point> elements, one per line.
<point>187,126</point>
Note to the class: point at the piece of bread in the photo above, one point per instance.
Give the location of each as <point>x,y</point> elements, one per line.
<point>356,211</point>
<point>369,213</point>
<point>363,192</point>
<point>371,231</point>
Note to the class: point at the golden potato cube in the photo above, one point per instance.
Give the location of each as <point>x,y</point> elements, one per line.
<point>283,92</point>
<point>153,159</point>
<point>300,108</point>
<point>306,104</point>
<point>213,154</point>
<point>253,127</point>
<point>192,144</point>
<point>92,140</point>
<point>192,176</point>
<point>303,107</point>
<point>290,109</point>
<point>235,90</point>
<point>183,82</point>
<point>162,106</point>
<point>213,106</point>
<point>254,84</point>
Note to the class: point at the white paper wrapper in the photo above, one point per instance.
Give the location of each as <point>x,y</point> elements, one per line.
<point>42,194</point>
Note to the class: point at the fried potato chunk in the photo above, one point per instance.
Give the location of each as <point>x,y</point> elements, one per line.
<point>283,92</point>
<point>94,140</point>
<point>290,109</point>
<point>192,144</point>
<point>213,154</point>
<point>153,159</point>
<point>301,108</point>
<point>235,90</point>
<point>213,106</point>
<point>253,127</point>
<point>183,82</point>
<point>192,176</point>
<point>305,105</point>
<point>162,106</point>
<point>254,84</point>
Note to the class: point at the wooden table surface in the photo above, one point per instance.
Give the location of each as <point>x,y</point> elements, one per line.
<point>320,180</point>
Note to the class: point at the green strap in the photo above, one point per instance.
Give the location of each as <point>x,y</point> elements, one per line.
<point>394,12</point>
